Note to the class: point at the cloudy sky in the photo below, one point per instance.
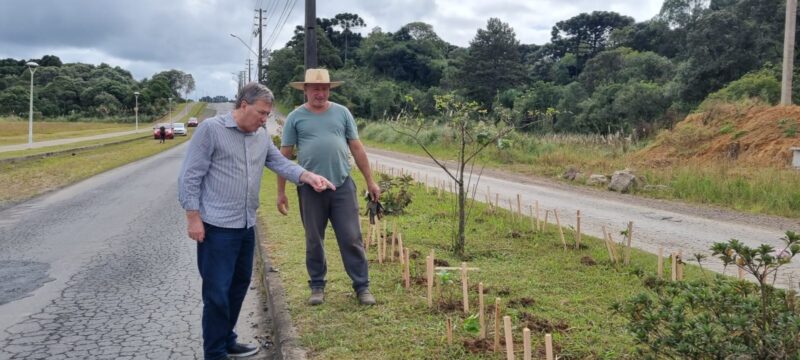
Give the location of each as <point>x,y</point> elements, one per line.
<point>149,36</point>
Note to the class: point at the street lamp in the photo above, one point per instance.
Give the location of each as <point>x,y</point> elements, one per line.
<point>170,110</point>
<point>254,53</point>
<point>136,108</point>
<point>245,44</point>
<point>32,68</point>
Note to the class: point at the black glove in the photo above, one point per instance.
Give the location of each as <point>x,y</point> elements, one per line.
<point>374,208</point>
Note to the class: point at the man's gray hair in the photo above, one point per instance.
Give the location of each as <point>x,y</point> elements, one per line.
<point>253,92</point>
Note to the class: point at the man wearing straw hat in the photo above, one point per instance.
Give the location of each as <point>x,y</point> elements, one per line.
<point>323,132</point>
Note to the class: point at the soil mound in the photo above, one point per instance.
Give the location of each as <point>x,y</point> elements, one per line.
<point>746,134</point>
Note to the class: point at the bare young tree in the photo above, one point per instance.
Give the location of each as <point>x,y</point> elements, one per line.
<point>472,136</point>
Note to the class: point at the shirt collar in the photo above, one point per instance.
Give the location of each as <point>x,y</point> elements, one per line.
<point>229,121</point>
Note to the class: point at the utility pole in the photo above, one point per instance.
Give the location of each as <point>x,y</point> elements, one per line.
<point>249,78</point>
<point>311,34</point>
<point>788,52</point>
<point>260,46</point>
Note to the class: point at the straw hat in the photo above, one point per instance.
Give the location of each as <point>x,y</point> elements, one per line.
<point>315,76</point>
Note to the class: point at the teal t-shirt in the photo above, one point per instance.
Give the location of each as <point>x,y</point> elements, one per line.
<point>321,140</point>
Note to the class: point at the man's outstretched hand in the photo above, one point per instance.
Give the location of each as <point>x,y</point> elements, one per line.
<point>317,182</point>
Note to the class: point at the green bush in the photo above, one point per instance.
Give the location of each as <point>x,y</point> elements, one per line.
<point>762,84</point>
<point>721,318</point>
<point>394,193</point>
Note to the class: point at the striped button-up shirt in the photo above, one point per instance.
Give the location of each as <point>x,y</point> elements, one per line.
<point>221,174</point>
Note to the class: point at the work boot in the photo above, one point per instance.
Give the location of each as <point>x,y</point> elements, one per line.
<point>317,296</point>
<point>365,298</point>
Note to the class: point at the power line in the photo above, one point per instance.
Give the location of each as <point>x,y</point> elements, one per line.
<point>285,17</point>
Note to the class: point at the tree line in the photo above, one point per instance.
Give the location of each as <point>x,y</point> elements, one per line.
<point>76,90</point>
<point>601,72</point>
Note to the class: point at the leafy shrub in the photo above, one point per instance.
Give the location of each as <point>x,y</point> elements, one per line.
<point>394,193</point>
<point>721,318</point>
<point>762,84</point>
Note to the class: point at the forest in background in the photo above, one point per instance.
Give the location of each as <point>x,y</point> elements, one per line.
<point>601,72</point>
<point>77,91</point>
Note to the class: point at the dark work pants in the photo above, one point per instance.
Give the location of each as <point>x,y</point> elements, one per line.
<point>341,208</point>
<point>225,260</point>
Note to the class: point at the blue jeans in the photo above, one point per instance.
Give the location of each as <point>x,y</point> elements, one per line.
<point>225,260</point>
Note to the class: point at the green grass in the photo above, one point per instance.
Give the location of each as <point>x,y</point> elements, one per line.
<point>763,190</point>
<point>515,264</point>
<point>16,132</point>
<point>27,179</point>
<point>75,145</point>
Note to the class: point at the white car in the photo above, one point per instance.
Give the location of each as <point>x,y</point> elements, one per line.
<point>179,129</point>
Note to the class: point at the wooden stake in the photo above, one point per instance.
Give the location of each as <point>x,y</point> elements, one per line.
<point>511,210</point>
<point>407,268</point>
<point>519,206</point>
<point>680,265</point>
<point>608,246</point>
<point>394,242</point>
<point>526,344</point>
<point>533,219</point>
<point>538,224</point>
<point>369,237</point>
<point>560,229</point>
<point>546,214</point>
<point>628,246</point>
<point>578,231</point>
<point>385,240</point>
<point>496,199</point>
<point>465,287</point>
<point>401,247</point>
<point>453,268</point>
<point>674,269</point>
<point>660,270</point>
<point>613,247</point>
<point>741,272</point>
<point>449,326</point>
<point>481,310</point>
<point>548,346</point>
<point>496,324</point>
<point>380,248</point>
<point>429,278</point>
<point>509,338</point>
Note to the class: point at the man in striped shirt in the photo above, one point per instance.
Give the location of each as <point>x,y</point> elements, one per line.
<point>218,187</point>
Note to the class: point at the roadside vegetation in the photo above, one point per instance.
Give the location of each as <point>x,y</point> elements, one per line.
<point>15,130</point>
<point>580,296</point>
<point>750,187</point>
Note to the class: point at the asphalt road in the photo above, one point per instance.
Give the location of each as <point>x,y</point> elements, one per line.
<point>671,225</point>
<point>103,269</point>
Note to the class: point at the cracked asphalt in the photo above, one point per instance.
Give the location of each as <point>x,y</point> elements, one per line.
<point>103,270</point>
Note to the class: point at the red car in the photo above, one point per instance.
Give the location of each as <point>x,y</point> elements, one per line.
<point>192,122</point>
<point>167,128</point>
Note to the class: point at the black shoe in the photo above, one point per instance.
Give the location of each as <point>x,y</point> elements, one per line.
<point>242,350</point>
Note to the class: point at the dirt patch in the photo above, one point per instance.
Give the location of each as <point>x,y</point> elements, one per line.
<point>478,346</point>
<point>588,261</point>
<point>440,262</point>
<point>747,134</point>
<point>522,302</point>
<point>542,325</point>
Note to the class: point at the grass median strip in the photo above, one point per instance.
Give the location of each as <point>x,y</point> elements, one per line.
<point>567,293</point>
<point>28,179</point>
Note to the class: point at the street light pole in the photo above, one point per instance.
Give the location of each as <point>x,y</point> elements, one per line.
<point>170,110</point>
<point>32,68</point>
<point>136,108</point>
